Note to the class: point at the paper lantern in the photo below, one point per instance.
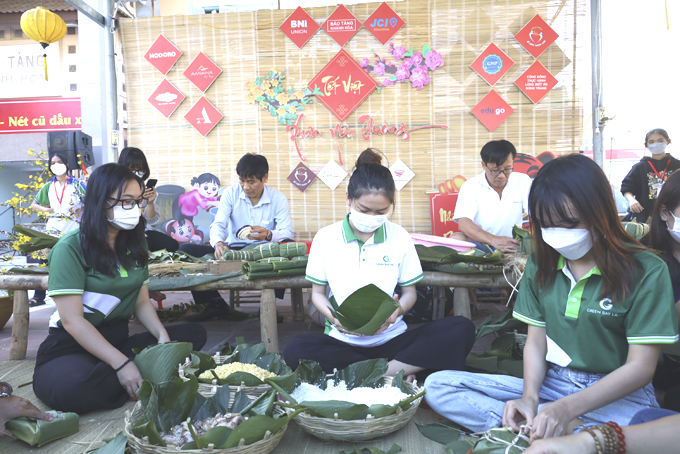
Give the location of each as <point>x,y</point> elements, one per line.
<point>42,25</point>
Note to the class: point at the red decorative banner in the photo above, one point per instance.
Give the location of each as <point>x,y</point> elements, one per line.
<point>536,82</point>
<point>492,64</point>
<point>536,36</point>
<point>162,54</point>
<point>166,98</point>
<point>492,110</point>
<point>202,72</point>
<point>384,23</point>
<point>299,27</point>
<point>442,207</point>
<point>39,115</point>
<point>341,25</point>
<point>343,85</point>
<point>203,116</point>
<point>301,177</point>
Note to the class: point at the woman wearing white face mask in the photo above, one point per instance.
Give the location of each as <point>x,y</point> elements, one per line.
<point>644,181</point>
<point>98,280</point>
<point>599,307</point>
<point>61,198</point>
<point>365,248</point>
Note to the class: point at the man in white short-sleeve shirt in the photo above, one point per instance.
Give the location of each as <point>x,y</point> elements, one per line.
<point>490,204</point>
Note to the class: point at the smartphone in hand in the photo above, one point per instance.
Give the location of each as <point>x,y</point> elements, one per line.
<point>151,183</point>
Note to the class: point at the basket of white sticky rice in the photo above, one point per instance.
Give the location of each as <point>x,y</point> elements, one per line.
<point>245,369</point>
<point>355,404</point>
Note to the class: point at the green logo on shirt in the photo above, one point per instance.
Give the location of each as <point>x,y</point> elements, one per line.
<point>386,259</point>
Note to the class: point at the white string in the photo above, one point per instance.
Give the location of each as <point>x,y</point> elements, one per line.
<point>513,444</point>
<point>514,289</point>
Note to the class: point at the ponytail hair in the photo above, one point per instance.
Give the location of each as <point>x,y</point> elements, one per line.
<point>370,176</point>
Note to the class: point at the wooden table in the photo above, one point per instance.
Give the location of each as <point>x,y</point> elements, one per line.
<point>268,327</point>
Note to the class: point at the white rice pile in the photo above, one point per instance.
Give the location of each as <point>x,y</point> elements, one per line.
<point>386,395</point>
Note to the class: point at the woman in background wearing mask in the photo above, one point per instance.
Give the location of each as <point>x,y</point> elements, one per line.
<point>365,248</point>
<point>98,280</point>
<point>62,196</point>
<point>644,181</point>
<point>599,307</point>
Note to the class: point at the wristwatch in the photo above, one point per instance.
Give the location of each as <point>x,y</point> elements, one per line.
<point>269,236</point>
<point>5,389</point>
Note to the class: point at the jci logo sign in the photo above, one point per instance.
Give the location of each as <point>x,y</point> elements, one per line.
<point>384,23</point>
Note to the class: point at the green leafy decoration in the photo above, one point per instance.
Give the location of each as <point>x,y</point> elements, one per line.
<point>409,53</point>
<point>426,49</point>
<point>365,310</point>
<point>393,450</point>
<point>317,92</point>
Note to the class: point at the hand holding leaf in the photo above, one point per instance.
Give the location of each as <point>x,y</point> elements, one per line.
<point>393,318</point>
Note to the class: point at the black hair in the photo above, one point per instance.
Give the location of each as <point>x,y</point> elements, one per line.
<point>205,178</point>
<point>555,201</point>
<point>658,237</point>
<point>64,159</point>
<point>170,228</point>
<point>497,152</point>
<point>134,158</point>
<point>659,131</point>
<point>370,176</point>
<point>252,165</point>
<point>130,248</point>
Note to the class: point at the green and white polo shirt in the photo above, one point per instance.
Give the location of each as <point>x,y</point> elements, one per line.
<point>340,260</point>
<point>106,299</point>
<point>586,331</point>
<point>61,198</point>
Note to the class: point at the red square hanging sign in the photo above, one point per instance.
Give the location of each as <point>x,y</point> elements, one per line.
<point>162,54</point>
<point>384,23</point>
<point>343,84</point>
<point>301,177</point>
<point>202,72</point>
<point>492,64</point>
<point>299,27</point>
<point>203,116</point>
<point>492,110</point>
<point>536,36</point>
<point>166,98</point>
<point>341,25</point>
<point>536,82</point>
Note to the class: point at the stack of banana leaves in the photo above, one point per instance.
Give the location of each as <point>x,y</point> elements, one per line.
<point>505,355</point>
<point>267,250</point>
<point>275,267</point>
<point>447,260</point>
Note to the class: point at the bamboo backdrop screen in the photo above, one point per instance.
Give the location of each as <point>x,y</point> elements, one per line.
<point>247,45</point>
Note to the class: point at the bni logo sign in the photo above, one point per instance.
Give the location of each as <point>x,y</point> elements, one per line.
<point>299,27</point>
<point>492,110</point>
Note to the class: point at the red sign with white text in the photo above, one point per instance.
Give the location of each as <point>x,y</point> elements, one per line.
<point>442,207</point>
<point>492,64</point>
<point>203,116</point>
<point>341,25</point>
<point>492,110</point>
<point>536,82</point>
<point>166,98</point>
<point>536,36</point>
<point>299,27</point>
<point>384,23</point>
<point>343,84</point>
<point>39,115</point>
<point>162,54</point>
<point>202,72</point>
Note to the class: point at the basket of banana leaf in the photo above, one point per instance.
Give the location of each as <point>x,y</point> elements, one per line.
<point>173,416</point>
<point>355,404</point>
<point>245,370</point>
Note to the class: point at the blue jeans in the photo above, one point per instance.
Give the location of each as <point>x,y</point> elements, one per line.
<point>649,415</point>
<point>475,401</point>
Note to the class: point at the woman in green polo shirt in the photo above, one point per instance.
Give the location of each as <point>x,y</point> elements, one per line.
<point>598,305</point>
<point>98,279</point>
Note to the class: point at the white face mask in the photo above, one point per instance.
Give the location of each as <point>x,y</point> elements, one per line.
<point>125,219</point>
<point>571,243</point>
<point>139,174</point>
<point>675,231</point>
<point>58,169</point>
<point>365,222</point>
<point>657,147</point>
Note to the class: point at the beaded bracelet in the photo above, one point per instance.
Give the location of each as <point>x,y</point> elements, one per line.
<point>598,446</point>
<point>621,438</point>
<point>610,442</point>
<point>123,365</point>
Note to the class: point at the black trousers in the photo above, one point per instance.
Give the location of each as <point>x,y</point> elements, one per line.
<point>68,378</point>
<point>439,345</point>
<point>159,240</point>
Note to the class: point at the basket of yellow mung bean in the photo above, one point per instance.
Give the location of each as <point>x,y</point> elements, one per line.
<point>244,370</point>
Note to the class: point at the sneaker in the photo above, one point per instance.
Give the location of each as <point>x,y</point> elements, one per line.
<point>34,302</point>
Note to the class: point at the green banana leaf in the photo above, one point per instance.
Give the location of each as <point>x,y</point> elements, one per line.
<point>182,282</point>
<point>444,255</point>
<point>636,229</point>
<point>365,310</point>
<point>256,267</point>
<point>504,322</point>
<point>200,361</point>
<point>393,450</point>
<point>162,256</point>
<point>116,445</point>
<point>524,238</point>
<point>458,447</point>
<point>157,363</point>
<point>439,432</point>
<point>293,249</point>
<point>39,432</point>
<point>467,268</point>
<point>485,446</point>
<point>28,270</point>
<point>38,240</point>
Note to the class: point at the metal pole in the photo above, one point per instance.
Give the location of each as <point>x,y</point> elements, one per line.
<point>111,86</point>
<point>596,63</point>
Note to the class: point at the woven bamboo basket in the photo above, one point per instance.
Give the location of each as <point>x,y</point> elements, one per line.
<point>209,389</point>
<point>142,445</point>
<point>360,430</point>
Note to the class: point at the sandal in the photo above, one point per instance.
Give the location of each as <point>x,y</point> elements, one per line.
<point>34,302</point>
